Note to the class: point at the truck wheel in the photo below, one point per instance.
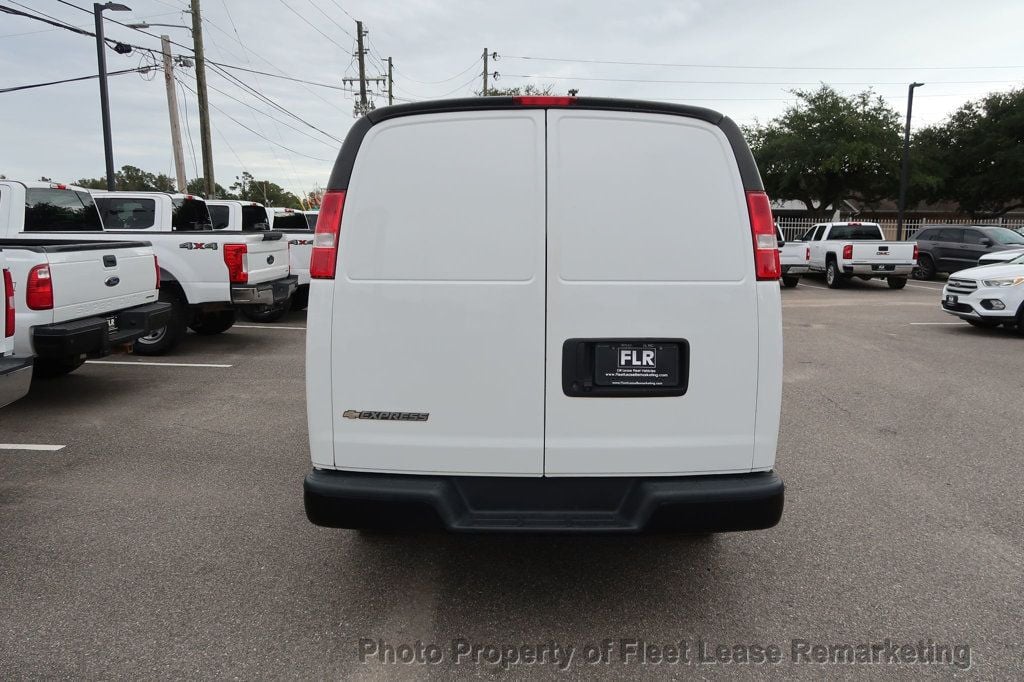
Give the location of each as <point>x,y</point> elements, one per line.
<point>300,299</point>
<point>983,324</point>
<point>208,324</point>
<point>833,278</point>
<point>925,267</point>
<point>896,282</point>
<point>47,368</point>
<point>164,339</point>
<point>791,281</point>
<point>266,313</point>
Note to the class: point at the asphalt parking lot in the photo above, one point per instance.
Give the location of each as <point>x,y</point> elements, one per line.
<point>167,538</point>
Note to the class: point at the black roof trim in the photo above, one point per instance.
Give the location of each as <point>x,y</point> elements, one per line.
<point>342,171</point>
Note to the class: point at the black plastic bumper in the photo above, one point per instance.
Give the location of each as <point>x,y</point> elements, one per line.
<point>696,504</point>
<point>264,293</point>
<point>95,336</point>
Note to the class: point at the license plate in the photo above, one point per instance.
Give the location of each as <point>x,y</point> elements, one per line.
<point>111,324</point>
<point>951,299</point>
<point>636,364</point>
<point>883,267</point>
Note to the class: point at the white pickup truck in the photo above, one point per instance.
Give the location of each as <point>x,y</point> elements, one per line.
<point>79,298</point>
<point>15,372</point>
<point>845,250</point>
<point>794,257</point>
<point>206,274</point>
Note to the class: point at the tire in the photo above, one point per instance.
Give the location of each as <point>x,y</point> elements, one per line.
<point>896,282</point>
<point>266,313</point>
<point>208,324</point>
<point>48,368</point>
<point>925,268</point>
<point>164,339</point>
<point>300,299</point>
<point>833,278</point>
<point>790,282</point>
<point>984,324</point>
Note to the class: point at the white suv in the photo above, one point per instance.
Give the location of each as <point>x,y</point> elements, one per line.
<point>517,323</point>
<point>988,295</point>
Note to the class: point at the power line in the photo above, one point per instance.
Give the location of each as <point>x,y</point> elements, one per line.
<point>30,86</point>
<point>328,17</point>
<point>119,23</point>
<point>188,127</point>
<point>310,24</point>
<point>780,83</point>
<point>443,80</point>
<point>763,66</point>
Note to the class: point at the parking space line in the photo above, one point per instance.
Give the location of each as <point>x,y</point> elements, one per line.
<point>263,326</point>
<point>153,364</point>
<point>916,324</point>
<point>30,446</point>
<point>919,286</point>
<point>811,286</point>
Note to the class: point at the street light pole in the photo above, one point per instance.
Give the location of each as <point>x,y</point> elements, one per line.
<point>905,163</point>
<point>101,59</point>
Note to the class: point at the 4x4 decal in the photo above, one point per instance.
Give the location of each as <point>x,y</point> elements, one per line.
<point>300,242</point>
<point>198,245</point>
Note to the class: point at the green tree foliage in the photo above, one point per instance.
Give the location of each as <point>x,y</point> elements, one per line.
<point>528,89</point>
<point>132,179</point>
<point>198,186</point>
<point>248,188</point>
<point>828,147</point>
<point>976,157</point>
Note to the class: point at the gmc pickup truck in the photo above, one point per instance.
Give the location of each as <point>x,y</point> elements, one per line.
<point>845,250</point>
<point>206,275</point>
<point>15,373</point>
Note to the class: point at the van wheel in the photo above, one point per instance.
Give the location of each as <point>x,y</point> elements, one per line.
<point>896,282</point>
<point>790,282</point>
<point>925,268</point>
<point>47,368</point>
<point>833,278</point>
<point>266,313</point>
<point>162,340</point>
<point>300,299</point>
<point>208,324</point>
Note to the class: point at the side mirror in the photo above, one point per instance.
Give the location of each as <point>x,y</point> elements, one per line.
<point>985,241</point>
<point>782,242</point>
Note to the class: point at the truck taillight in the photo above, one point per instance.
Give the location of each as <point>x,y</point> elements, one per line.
<point>234,258</point>
<point>324,259</point>
<point>39,290</point>
<point>156,265</point>
<point>762,229</point>
<point>8,304</point>
<point>807,255</point>
<point>848,252</point>
<point>915,252</point>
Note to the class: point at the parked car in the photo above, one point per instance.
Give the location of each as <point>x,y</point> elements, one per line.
<point>79,298</point>
<point>988,296</point>
<point>1000,257</point>
<point>572,362</point>
<point>845,250</point>
<point>794,257</point>
<point>207,274</point>
<point>241,216</point>
<point>950,248</point>
<point>15,372</point>
<point>299,233</point>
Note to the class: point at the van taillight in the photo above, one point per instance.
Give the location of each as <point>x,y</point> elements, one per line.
<point>915,252</point>
<point>234,258</point>
<point>543,100</point>
<point>156,265</point>
<point>848,252</point>
<point>8,304</point>
<point>324,259</point>
<point>762,228</point>
<point>39,290</point>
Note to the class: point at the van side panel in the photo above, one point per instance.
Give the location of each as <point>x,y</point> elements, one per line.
<point>648,237</point>
<point>769,375</point>
<point>439,297</point>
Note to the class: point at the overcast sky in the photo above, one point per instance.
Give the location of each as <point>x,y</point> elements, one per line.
<point>753,54</point>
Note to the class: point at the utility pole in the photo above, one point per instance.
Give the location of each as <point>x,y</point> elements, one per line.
<point>391,83</point>
<point>484,91</point>
<point>172,111</point>
<point>101,60</point>
<point>905,163</point>
<point>209,184</point>
<point>362,66</point>
<point>364,105</point>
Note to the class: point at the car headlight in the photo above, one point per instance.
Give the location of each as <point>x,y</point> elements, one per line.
<point>1003,282</point>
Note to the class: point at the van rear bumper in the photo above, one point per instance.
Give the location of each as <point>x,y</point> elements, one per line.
<point>696,504</point>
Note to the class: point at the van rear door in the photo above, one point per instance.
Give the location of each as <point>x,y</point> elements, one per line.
<point>652,341</point>
<point>439,297</point>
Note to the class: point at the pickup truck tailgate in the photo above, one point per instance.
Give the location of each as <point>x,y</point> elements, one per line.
<point>101,279</point>
<point>883,252</point>
<point>266,256</point>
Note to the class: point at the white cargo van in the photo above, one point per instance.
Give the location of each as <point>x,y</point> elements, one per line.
<point>515,323</point>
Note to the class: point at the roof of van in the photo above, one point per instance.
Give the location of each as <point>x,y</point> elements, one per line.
<point>342,171</point>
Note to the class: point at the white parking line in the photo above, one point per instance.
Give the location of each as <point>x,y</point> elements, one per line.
<point>153,364</point>
<point>918,286</point>
<point>811,286</point>
<point>921,324</point>
<point>264,326</point>
<point>30,446</point>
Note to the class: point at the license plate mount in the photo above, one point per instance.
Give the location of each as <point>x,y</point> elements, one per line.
<point>625,368</point>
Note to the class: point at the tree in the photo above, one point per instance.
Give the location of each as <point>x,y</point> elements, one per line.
<point>132,179</point>
<point>197,186</point>
<point>829,147</point>
<point>528,89</point>
<point>248,188</point>
<point>977,154</point>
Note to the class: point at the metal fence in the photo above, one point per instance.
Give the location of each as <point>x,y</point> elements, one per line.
<point>793,228</point>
